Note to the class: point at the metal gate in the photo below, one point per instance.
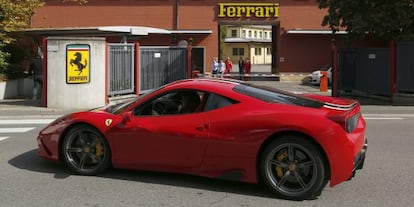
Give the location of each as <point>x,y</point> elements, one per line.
<point>120,69</point>
<point>365,70</point>
<point>405,67</point>
<point>161,65</point>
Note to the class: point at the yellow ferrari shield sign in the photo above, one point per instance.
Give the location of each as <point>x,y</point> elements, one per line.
<point>77,63</point>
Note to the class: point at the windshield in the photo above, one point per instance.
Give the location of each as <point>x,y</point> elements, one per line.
<point>119,107</point>
<point>273,95</point>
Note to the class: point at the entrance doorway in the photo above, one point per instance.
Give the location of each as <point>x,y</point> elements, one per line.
<point>256,41</point>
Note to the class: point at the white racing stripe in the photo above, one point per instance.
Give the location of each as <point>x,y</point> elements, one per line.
<point>16,130</point>
<point>3,138</point>
<point>26,121</point>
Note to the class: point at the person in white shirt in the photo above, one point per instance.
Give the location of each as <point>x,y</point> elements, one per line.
<point>215,67</point>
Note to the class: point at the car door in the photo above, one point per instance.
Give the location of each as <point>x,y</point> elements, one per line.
<point>172,139</point>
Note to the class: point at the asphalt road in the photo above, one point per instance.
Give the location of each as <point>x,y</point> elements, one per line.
<point>26,180</point>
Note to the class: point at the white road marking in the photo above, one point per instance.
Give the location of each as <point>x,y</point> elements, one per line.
<point>383,118</point>
<point>26,121</point>
<point>388,115</point>
<point>3,138</point>
<point>16,130</point>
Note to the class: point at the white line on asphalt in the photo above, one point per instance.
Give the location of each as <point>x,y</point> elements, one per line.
<point>16,130</point>
<point>3,138</point>
<point>26,121</point>
<point>383,118</point>
<point>388,115</point>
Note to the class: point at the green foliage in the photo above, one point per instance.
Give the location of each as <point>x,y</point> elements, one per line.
<point>4,65</point>
<point>14,16</point>
<point>377,19</point>
<point>223,35</point>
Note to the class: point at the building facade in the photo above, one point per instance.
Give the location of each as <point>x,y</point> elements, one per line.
<point>249,41</point>
<point>288,33</point>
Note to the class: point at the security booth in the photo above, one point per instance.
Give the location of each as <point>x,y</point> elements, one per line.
<point>75,72</point>
<point>96,65</point>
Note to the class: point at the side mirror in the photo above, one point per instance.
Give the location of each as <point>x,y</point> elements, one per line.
<point>127,117</point>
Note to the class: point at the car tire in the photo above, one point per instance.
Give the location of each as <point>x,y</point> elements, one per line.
<point>86,151</point>
<point>293,168</point>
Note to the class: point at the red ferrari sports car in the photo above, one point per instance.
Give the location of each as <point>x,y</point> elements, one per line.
<point>218,128</point>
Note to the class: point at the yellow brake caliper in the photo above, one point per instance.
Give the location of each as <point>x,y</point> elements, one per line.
<point>99,150</point>
<point>280,158</point>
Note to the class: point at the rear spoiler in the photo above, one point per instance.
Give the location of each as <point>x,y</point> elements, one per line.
<point>341,106</point>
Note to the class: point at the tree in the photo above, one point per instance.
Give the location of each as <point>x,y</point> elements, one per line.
<point>223,35</point>
<point>376,19</point>
<point>16,15</point>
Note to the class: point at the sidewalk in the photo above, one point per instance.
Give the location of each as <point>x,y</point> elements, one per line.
<point>27,108</point>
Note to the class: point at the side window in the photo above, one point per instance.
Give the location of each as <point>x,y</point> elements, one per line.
<point>175,102</point>
<point>216,101</point>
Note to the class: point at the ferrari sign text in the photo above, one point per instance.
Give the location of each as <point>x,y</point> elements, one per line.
<point>260,10</point>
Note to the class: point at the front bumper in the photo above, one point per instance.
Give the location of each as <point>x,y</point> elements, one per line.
<point>360,158</point>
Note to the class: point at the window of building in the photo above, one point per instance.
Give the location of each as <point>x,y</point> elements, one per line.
<point>255,34</point>
<point>257,51</point>
<point>260,35</point>
<point>238,51</point>
<point>265,35</point>
<point>250,34</point>
<point>244,33</point>
<point>233,33</point>
<point>268,51</point>
<point>235,51</point>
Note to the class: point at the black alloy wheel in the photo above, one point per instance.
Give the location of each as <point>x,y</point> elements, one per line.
<point>293,168</point>
<point>85,150</point>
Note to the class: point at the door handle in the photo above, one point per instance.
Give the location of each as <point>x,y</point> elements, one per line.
<point>203,127</point>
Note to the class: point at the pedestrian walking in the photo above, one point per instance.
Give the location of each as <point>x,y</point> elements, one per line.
<point>241,67</point>
<point>247,69</point>
<point>222,68</point>
<point>229,66</point>
<point>36,70</point>
<point>214,67</point>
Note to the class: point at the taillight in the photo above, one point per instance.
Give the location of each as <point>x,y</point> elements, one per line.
<point>352,122</point>
<point>348,123</point>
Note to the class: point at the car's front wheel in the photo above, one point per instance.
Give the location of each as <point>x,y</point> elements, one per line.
<point>293,168</point>
<point>86,151</point>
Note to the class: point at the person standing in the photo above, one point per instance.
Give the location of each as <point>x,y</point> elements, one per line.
<point>36,69</point>
<point>241,67</point>
<point>229,65</point>
<point>222,68</point>
<point>247,68</point>
<point>214,67</point>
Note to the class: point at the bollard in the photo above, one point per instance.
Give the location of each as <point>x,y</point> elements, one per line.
<point>195,73</point>
<point>323,85</point>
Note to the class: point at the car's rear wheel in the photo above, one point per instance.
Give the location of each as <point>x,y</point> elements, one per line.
<point>293,168</point>
<point>86,151</point>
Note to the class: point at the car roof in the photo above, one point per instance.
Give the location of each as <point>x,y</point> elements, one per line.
<point>206,83</point>
<point>210,80</point>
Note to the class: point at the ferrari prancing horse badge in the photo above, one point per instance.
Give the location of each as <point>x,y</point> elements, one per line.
<point>108,122</point>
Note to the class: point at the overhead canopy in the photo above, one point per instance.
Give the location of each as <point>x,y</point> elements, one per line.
<point>310,31</point>
<point>107,31</point>
<point>134,30</point>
